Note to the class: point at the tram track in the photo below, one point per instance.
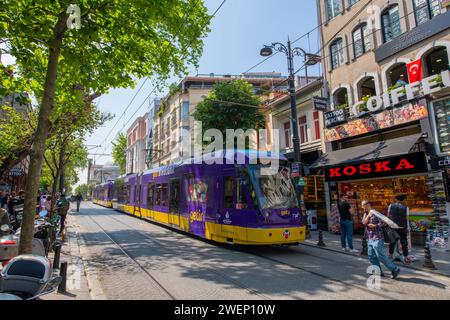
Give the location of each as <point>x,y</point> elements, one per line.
<point>290,265</point>
<point>123,250</point>
<point>196,262</point>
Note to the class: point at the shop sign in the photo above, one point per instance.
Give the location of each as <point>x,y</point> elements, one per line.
<point>401,165</point>
<point>335,117</point>
<point>441,162</point>
<point>374,122</point>
<point>320,103</point>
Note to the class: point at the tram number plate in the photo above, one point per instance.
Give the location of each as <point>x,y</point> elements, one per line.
<point>284,212</point>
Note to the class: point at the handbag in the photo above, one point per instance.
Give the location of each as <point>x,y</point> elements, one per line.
<point>390,235</point>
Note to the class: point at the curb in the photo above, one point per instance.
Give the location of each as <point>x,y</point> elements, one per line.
<point>360,256</point>
<point>90,272</point>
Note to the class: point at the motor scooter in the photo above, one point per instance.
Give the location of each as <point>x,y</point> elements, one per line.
<point>27,277</point>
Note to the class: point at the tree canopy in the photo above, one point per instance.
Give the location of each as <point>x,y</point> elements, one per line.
<point>119,152</point>
<point>116,42</point>
<point>229,106</point>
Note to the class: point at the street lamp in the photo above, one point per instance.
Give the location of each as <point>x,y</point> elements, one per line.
<point>309,60</point>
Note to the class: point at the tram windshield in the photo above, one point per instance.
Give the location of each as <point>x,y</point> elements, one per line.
<point>273,191</point>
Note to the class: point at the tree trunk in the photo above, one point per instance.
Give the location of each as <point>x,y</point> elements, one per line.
<point>38,148</point>
<point>62,167</point>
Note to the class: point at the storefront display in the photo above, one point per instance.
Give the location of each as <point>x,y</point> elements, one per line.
<point>314,197</point>
<point>442,114</point>
<point>381,193</point>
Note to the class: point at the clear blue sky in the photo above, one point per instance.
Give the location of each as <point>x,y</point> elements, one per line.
<point>238,32</point>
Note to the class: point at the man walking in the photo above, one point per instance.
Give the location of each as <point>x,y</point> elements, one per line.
<point>375,239</point>
<point>345,214</point>
<point>62,206</point>
<point>78,198</point>
<point>398,213</point>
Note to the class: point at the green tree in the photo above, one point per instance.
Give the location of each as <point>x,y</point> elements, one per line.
<point>229,106</point>
<point>118,42</point>
<point>82,189</point>
<point>119,152</point>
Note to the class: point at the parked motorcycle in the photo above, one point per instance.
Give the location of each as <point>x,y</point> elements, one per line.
<point>27,277</point>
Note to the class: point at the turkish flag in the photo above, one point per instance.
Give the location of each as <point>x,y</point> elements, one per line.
<point>415,71</point>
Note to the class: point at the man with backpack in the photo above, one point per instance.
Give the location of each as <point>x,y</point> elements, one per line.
<point>398,213</point>
<point>62,207</point>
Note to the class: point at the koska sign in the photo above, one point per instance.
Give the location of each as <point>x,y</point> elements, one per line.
<point>407,164</point>
<point>409,92</point>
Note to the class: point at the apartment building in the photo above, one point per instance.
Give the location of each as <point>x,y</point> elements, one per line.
<point>383,135</point>
<point>173,123</point>
<point>137,136</point>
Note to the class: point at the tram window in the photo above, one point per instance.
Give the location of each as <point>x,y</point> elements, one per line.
<point>158,195</point>
<point>150,195</point>
<point>174,195</point>
<point>164,195</point>
<point>241,199</point>
<point>228,192</point>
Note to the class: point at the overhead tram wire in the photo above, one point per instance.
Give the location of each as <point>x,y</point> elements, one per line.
<point>155,87</point>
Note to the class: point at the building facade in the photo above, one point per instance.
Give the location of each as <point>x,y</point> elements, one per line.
<point>387,131</point>
<point>312,144</point>
<point>98,174</point>
<point>173,124</point>
<point>137,137</point>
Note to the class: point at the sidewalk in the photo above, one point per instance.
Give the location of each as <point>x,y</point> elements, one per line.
<point>440,257</point>
<point>77,287</point>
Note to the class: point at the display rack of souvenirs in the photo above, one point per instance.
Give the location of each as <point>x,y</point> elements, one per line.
<point>437,233</point>
<point>335,226</point>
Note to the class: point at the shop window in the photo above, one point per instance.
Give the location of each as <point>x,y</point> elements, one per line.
<point>303,127</point>
<point>333,8</point>
<point>397,76</point>
<point>366,88</point>
<point>340,99</point>
<point>337,54</point>
<point>316,125</point>
<point>228,192</point>
<point>425,10</point>
<point>390,20</point>
<point>442,113</point>
<point>437,61</point>
<point>150,195</point>
<point>361,41</point>
<point>287,134</point>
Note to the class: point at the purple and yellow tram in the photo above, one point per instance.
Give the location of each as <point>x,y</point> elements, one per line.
<point>102,194</point>
<point>227,203</point>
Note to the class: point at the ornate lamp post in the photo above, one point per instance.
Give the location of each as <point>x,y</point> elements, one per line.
<point>309,60</point>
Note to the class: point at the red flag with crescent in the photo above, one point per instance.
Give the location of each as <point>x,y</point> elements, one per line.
<point>415,71</point>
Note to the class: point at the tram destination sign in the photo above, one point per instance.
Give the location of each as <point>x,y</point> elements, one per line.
<point>407,164</point>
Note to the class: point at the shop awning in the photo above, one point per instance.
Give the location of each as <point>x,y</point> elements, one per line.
<point>367,152</point>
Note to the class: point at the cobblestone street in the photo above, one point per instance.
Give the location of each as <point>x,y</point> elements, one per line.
<point>132,259</point>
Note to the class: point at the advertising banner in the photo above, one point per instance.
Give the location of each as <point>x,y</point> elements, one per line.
<point>383,120</point>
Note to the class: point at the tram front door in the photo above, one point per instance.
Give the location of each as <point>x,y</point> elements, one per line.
<point>174,204</point>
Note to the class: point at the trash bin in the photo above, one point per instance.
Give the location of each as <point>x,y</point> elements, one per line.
<point>312,219</point>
